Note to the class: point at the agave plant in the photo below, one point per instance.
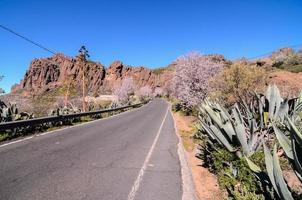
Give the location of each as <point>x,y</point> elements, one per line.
<point>292,145</point>
<point>230,129</point>
<point>247,124</point>
<point>291,142</point>
<point>11,113</point>
<point>273,171</point>
<point>63,111</point>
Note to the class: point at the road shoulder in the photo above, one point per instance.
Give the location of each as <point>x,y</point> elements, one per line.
<point>188,186</point>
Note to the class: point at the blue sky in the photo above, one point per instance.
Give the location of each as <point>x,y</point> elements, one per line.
<point>141,32</point>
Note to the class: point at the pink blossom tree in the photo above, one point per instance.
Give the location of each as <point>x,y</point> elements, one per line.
<point>144,92</point>
<point>191,77</point>
<point>125,90</point>
<point>158,92</point>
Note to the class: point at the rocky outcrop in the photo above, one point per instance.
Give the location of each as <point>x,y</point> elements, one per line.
<point>47,74</point>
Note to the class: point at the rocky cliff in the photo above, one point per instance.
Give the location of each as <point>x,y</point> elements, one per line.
<point>48,74</point>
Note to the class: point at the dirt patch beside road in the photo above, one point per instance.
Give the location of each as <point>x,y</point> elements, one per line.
<point>206,184</point>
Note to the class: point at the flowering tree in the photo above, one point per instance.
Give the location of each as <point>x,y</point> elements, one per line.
<point>158,92</point>
<point>191,77</point>
<point>125,90</point>
<point>144,92</point>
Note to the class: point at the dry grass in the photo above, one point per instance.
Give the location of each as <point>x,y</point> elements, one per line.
<point>186,129</point>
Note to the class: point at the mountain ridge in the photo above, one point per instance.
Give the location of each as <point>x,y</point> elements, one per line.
<point>47,74</point>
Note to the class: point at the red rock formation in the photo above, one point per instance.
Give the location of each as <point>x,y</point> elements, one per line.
<point>48,74</point>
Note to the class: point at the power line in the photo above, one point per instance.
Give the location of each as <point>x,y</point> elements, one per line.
<point>27,39</point>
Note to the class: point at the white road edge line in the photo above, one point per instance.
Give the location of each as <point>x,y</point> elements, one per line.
<point>141,173</point>
<point>61,129</point>
<point>13,142</point>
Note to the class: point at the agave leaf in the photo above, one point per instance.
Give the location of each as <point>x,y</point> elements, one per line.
<point>274,98</point>
<point>278,101</point>
<point>223,113</point>
<point>240,130</point>
<point>284,192</point>
<point>261,105</point>
<point>295,132</point>
<point>209,131</point>
<point>298,103</point>
<point>248,111</point>
<point>298,175</point>
<point>299,100</point>
<point>283,111</point>
<point>271,99</point>
<point>270,167</point>
<point>227,124</point>
<point>255,168</point>
<point>221,137</point>
<point>297,153</point>
<point>224,110</point>
<point>229,130</point>
<point>17,117</point>
<point>213,115</point>
<point>284,142</point>
<point>255,142</point>
<point>298,107</point>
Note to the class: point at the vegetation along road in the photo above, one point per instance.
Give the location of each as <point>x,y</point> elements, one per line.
<point>129,156</point>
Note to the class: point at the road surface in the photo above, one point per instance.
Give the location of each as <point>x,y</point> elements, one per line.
<point>129,156</point>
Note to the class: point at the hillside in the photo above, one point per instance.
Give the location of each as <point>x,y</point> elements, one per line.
<point>49,74</point>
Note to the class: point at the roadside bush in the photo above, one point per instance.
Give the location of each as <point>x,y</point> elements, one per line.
<point>237,81</point>
<point>233,173</point>
<point>287,59</point>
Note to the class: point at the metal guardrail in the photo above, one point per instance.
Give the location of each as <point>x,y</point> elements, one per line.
<point>42,120</point>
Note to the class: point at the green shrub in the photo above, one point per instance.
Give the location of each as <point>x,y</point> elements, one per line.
<point>295,68</point>
<point>159,71</point>
<point>235,176</point>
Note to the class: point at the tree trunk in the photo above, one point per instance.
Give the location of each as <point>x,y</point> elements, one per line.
<point>83,84</point>
<point>66,95</point>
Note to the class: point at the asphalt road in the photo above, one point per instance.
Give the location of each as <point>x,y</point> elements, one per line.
<point>129,156</point>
